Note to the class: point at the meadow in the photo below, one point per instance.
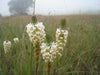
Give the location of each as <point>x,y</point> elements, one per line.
<point>81,56</point>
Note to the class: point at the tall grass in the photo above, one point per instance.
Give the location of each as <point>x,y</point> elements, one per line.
<point>81,56</point>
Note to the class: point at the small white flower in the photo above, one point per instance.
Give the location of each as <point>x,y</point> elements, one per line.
<point>7,46</point>
<point>62,31</point>
<point>61,48</point>
<point>16,40</point>
<point>61,38</point>
<point>58,30</point>
<point>65,41</point>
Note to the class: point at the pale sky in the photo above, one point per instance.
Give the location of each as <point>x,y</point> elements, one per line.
<point>58,7</point>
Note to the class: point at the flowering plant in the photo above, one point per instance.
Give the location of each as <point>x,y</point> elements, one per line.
<point>54,51</point>
<point>37,36</point>
<point>61,39</point>
<point>16,40</point>
<point>50,53</point>
<point>7,46</point>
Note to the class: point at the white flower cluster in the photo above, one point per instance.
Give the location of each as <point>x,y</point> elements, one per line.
<point>7,46</point>
<point>37,35</point>
<point>36,32</point>
<point>48,52</point>
<point>61,39</point>
<point>16,40</point>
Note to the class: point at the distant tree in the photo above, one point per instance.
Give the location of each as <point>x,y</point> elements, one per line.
<point>19,7</point>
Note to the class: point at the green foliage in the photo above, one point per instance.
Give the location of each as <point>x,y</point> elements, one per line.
<point>63,23</point>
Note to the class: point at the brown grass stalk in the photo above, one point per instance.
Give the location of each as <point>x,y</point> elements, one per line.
<point>7,65</point>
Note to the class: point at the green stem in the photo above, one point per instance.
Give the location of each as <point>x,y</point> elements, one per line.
<point>54,72</point>
<point>49,68</point>
<point>57,66</point>
<point>31,62</point>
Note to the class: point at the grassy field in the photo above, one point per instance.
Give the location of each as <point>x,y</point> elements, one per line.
<point>81,56</point>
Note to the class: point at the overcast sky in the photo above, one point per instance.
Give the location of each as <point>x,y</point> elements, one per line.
<point>58,7</point>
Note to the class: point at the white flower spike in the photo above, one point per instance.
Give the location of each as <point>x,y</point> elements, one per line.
<point>36,32</point>
<point>7,46</point>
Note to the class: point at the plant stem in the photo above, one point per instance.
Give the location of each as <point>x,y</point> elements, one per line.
<point>36,68</point>
<point>7,65</point>
<point>37,56</point>
<point>48,68</point>
<point>57,66</point>
<point>31,63</point>
<point>54,72</point>
<point>34,8</point>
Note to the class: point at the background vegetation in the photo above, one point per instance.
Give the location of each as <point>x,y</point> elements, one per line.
<point>81,55</point>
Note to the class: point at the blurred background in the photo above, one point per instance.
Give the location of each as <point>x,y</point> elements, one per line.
<point>49,7</point>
